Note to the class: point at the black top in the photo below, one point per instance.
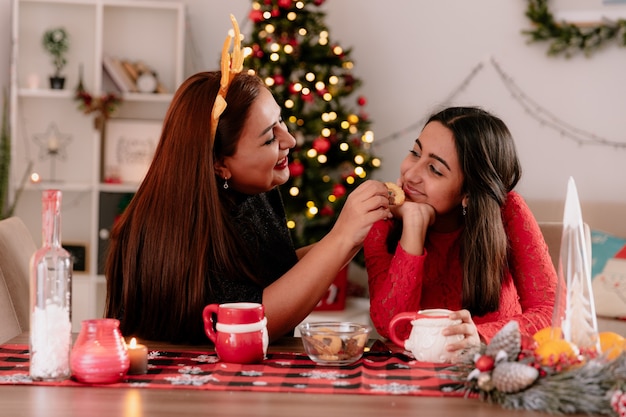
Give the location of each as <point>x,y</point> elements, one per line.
<point>260,223</point>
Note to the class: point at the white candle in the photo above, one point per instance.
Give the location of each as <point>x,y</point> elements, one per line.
<point>53,144</point>
<point>138,355</point>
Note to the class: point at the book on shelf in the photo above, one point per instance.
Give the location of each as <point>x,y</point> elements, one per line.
<point>131,69</point>
<point>118,74</point>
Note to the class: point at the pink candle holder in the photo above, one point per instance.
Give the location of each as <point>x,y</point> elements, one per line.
<point>99,355</point>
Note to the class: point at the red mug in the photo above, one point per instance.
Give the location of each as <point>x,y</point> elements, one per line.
<point>238,330</point>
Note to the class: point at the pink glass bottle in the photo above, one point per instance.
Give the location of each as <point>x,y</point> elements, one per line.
<point>50,298</point>
<point>99,355</point>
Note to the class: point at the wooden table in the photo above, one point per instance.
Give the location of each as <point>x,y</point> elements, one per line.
<point>46,401</point>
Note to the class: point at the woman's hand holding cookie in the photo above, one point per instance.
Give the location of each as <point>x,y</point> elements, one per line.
<point>396,195</point>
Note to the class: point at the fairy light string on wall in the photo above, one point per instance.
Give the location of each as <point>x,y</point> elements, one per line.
<point>531,107</point>
<point>420,123</point>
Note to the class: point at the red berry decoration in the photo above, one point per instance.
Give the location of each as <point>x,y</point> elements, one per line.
<point>361,101</point>
<point>529,344</point>
<point>485,363</point>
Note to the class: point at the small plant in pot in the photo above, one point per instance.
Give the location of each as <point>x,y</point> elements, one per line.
<point>56,43</point>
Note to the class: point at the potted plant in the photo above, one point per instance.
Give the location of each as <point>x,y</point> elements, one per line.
<point>56,43</point>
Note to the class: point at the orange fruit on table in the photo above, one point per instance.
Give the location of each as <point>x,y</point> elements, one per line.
<point>554,351</point>
<point>548,333</point>
<point>611,344</point>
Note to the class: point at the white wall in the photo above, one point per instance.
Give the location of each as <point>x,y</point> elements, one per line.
<point>412,54</point>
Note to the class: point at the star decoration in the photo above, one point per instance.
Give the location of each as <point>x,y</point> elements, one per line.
<point>52,143</point>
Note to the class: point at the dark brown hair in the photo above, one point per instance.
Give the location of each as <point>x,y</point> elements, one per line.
<point>176,230</point>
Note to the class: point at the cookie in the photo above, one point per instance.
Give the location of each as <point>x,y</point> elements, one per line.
<point>328,344</point>
<point>396,195</point>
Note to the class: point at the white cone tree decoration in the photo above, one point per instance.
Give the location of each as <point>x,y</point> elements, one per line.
<point>579,322</point>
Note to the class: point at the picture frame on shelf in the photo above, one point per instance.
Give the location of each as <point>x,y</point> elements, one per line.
<point>78,252</point>
<point>129,146</point>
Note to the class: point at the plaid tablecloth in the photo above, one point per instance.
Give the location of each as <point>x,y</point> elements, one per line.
<point>395,374</point>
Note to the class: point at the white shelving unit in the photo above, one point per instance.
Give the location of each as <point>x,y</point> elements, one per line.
<point>137,30</point>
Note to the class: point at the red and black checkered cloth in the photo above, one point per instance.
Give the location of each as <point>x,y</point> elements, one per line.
<point>395,374</point>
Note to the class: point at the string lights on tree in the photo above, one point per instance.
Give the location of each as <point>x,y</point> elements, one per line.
<point>311,76</point>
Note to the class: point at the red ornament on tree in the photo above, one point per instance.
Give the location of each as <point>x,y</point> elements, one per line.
<point>256,16</point>
<point>321,92</point>
<point>296,168</point>
<point>308,98</point>
<point>292,88</point>
<point>257,52</point>
<point>361,101</point>
<point>318,2</point>
<point>321,145</point>
<point>327,211</point>
<point>285,4</point>
<point>279,79</point>
<point>339,190</point>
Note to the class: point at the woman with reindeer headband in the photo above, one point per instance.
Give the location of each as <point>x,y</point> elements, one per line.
<point>207,224</point>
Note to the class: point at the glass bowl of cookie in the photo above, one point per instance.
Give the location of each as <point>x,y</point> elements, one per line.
<point>334,343</point>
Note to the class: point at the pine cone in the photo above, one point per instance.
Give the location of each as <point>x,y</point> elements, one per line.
<point>508,339</point>
<point>509,377</point>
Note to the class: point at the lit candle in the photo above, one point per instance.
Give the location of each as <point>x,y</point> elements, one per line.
<point>138,355</point>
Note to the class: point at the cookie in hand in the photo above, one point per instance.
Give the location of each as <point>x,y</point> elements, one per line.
<point>396,195</point>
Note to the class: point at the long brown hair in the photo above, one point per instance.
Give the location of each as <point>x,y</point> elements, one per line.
<point>176,231</point>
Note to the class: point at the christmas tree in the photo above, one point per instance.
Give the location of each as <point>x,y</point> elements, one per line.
<point>310,77</point>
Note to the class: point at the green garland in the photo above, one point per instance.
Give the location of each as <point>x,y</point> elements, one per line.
<point>568,38</point>
<point>500,373</point>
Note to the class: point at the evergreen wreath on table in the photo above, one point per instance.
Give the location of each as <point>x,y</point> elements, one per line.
<point>514,372</point>
<point>568,38</point>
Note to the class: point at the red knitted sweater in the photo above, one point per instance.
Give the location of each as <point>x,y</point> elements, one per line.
<point>403,282</point>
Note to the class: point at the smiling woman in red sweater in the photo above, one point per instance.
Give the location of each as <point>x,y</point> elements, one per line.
<point>463,239</point>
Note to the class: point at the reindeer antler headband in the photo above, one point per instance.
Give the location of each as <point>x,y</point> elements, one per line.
<point>230,66</point>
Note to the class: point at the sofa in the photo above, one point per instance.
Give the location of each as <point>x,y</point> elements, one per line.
<point>607,224</point>
<point>609,217</point>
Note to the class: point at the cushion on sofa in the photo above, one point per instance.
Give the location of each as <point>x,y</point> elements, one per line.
<point>608,270</point>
